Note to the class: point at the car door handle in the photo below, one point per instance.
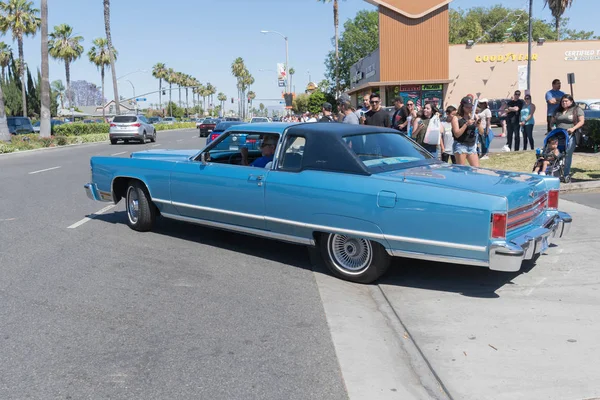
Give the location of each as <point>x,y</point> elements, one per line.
<point>255,178</point>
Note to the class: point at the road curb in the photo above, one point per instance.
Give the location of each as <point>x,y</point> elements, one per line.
<point>579,186</point>
<point>429,379</point>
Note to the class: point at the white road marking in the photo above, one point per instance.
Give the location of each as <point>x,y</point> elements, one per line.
<point>154,145</point>
<point>43,170</point>
<point>179,140</point>
<point>91,217</point>
<point>535,286</point>
<point>7,219</point>
<point>194,136</point>
<point>118,154</point>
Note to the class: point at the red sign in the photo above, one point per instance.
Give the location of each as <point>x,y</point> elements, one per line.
<point>410,88</point>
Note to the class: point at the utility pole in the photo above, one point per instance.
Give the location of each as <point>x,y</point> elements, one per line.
<point>529,40</point>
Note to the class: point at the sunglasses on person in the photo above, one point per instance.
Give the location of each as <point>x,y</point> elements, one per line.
<point>410,105</point>
<point>374,102</point>
<point>266,144</point>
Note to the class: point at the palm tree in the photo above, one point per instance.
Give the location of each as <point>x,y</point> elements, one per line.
<point>64,46</point>
<point>237,69</point>
<point>100,56</point>
<point>159,71</point>
<point>210,90</point>
<point>22,19</point>
<point>558,8</point>
<point>222,99</point>
<point>171,79</point>
<point>5,57</point>
<point>336,22</point>
<point>58,88</point>
<point>45,127</point>
<point>251,97</point>
<point>292,72</point>
<point>112,56</point>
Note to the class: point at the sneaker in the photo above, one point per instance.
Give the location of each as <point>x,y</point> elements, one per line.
<point>506,148</point>
<point>485,157</point>
<point>543,173</point>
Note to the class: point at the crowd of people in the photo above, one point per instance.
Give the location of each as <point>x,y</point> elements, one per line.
<point>462,134</point>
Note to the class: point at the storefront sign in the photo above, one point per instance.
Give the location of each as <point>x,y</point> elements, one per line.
<point>582,55</point>
<point>410,88</point>
<point>432,87</point>
<point>505,58</point>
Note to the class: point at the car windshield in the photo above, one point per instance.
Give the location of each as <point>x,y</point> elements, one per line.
<point>384,151</point>
<point>124,119</point>
<point>37,124</point>
<point>260,120</point>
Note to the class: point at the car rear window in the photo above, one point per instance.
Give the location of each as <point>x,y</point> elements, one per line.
<point>124,119</point>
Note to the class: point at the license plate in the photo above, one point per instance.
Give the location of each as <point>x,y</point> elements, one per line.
<point>234,148</point>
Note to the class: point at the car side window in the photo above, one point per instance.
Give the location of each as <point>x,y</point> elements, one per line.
<point>292,154</point>
<point>143,119</point>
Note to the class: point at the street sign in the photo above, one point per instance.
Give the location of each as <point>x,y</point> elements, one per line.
<point>140,99</point>
<point>282,102</point>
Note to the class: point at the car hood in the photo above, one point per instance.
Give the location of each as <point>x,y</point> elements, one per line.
<point>171,155</point>
<point>518,188</point>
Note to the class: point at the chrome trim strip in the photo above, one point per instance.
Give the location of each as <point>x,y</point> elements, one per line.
<point>325,228</point>
<point>242,229</point>
<point>437,258</point>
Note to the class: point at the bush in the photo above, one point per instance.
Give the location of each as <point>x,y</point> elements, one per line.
<point>34,141</point>
<point>592,129</point>
<point>79,128</point>
<point>177,125</point>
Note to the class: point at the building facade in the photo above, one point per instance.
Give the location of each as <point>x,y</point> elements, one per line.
<point>414,61</point>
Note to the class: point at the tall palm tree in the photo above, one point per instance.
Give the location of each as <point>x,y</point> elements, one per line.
<point>66,47</point>
<point>22,19</point>
<point>45,127</point>
<point>5,57</point>
<point>100,56</point>
<point>58,88</point>
<point>210,91</point>
<point>171,79</point>
<point>558,8</point>
<point>251,97</point>
<point>336,23</point>
<point>222,99</point>
<point>112,56</point>
<point>237,69</point>
<point>292,72</point>
<point>159,71</point>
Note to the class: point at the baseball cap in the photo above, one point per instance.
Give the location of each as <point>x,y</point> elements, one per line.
<point>343,98</point>
<point>467,100</point>
<point>327,106</point>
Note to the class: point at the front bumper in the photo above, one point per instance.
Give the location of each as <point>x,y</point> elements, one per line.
<point>93,193</point>
<point>508,256</point>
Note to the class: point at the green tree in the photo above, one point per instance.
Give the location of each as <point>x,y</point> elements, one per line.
<point>100,56</point>
<point>300,103</point>
<point>558,8</point>
<point>160,72</point>
<point>359,38</point>
<point>251,97</point>
<point>112,56</point>
<point>315,102</point>
<point>222,99</point>
<point>5,57</point>
<point>19,17</point>
<point>66,47</point>
<point>58,89</point>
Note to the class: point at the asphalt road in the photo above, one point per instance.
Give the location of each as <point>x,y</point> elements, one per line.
<point>99,311</point>
<point>588,199</point>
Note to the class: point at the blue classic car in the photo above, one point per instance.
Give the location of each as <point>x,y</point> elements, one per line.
<point>361,194</point>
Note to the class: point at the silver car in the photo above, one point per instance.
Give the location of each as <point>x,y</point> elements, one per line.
<point>131,127</point>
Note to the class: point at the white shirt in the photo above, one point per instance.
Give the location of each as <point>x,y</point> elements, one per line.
<point>484,115</point>
<point>447,137</point>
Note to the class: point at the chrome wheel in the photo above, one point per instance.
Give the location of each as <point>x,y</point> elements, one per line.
<point>133,205</point>
<point>349,254</point>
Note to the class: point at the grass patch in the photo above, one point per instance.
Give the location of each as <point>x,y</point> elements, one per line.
<point>34,141</point>
<point>585,166</point>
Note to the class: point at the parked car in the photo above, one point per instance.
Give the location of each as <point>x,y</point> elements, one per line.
<point>589,104</point>
<point>233,142</point>
<point>19,125</point>
<point>589,137</point>
<point>169,120</point>
<point>494,106</point>
<point>155,120</point>
<point>53,123</point>
<point>232,119</point>
<point>207,126</point>
<point>256,120</point>
<point>131,127</point>
<point>362,194</point>
<point>198,122</point>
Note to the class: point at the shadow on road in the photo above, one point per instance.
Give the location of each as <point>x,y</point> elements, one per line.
<point>285,253</point>
<point>466,280</point>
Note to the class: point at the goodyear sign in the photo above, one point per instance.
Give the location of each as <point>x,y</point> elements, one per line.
<point>503,58</point>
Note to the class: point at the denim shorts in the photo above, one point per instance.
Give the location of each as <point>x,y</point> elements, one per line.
<point>459,148</point>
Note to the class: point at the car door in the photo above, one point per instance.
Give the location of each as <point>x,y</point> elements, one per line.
<point>223,193</point>
<point>147,126</point>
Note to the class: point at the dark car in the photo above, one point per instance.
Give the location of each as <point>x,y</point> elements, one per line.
<point>220,128</point>
<point>589,136</point>
<point>232,119</point>
<point>207,126</point>
<point>19,125</point>
<point>494,106</point>
<point>155,120</point>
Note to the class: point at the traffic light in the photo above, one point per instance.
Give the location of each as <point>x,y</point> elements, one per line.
<point>164,93</point>
<point>249,100</point>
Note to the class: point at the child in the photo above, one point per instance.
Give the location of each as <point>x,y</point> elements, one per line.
<point>549,155</point>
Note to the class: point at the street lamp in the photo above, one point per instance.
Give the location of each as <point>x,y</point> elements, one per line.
<point>286,57</point>
<point>134,99</point>
<point>133,72</point>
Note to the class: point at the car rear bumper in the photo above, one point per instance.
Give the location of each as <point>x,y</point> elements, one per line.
<point>91,190</point>
<point>508,256</point>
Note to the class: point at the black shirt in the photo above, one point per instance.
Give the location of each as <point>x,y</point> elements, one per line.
<point>399,117</point>
<point>326,118</point>
<point>514,116</point>
<point>469,136</point>
<point>378,118</point>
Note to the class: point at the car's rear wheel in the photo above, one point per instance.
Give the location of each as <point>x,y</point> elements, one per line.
<point>113,141</point>
<point>354,259</point>
<point>141,212</point>
<point>153,138</point>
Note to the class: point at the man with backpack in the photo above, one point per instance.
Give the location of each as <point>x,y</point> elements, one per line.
<point>327,117</point>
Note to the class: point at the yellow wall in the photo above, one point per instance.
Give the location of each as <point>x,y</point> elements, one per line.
<point>498,64</point>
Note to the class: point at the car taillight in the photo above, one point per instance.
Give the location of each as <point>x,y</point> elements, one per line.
<point>553,199</point>
<point>137,125</point>
<point>214,136</point>
<point>251,141</point>
<point>498,226</point>
<point>113,125</point>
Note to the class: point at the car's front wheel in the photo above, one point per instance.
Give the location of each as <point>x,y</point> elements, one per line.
<point>141,212</point>
<point>354,259</point>
<point>153,138</point>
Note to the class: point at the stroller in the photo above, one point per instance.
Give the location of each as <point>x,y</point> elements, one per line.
<point>557,167</point>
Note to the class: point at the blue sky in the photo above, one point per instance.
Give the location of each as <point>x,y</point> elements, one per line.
<point>202,38</point>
